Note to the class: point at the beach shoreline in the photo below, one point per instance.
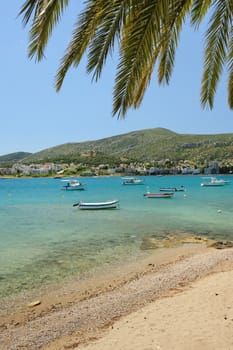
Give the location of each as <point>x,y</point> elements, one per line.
<point>74,316</point>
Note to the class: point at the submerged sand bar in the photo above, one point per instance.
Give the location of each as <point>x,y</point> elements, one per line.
<point>135,310</point>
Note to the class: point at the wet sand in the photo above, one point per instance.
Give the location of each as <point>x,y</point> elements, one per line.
<point>177,299</point>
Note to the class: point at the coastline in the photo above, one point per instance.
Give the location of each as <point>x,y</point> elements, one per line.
<point>73,317</point>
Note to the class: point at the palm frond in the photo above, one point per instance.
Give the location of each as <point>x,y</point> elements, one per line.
<point>199,11</point>
<point>83,33</point>
<point>217,39</point>
<point>28,8</point>
<point>230,70</point>
<point>43,25</point>
<point>140,40</point>
<point>113,14</point>
<point>230,90</point>
<point>147,30</point>
<point>140,89</point>
<point>170,38</point>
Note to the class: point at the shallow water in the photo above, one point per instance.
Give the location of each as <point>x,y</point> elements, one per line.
<point>45,239</point>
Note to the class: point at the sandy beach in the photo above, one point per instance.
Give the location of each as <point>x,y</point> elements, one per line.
<point>179,299</point>
<point>198,318</point>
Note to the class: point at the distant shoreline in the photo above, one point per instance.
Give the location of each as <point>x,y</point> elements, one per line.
<point>2,177</point>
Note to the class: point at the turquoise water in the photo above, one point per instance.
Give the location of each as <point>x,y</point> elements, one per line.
<point>44,239</point>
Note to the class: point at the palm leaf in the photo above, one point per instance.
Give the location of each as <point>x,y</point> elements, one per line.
<point>103,43</point>
<point>83,33</point>
<point>170,38</point>
<point>43,24</point>
<point>230,70</point>
<point>147,30</point>
<point>199,11</point>
<point>217,39</point>
<point>30,7</point>
<point>140,40</point>
<point>140,89</point>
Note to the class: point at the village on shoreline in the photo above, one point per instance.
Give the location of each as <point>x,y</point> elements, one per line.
<point>124,169</point>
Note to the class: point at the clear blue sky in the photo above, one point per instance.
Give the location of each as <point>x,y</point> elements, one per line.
<point>35,117</point>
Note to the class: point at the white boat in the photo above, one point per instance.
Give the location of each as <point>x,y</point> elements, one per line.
<point>113,204</point>
<point>132,181</point>
<point>213,182</point>
<point>72,185</point>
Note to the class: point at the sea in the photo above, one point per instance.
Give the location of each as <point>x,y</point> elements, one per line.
<point>45,240</point>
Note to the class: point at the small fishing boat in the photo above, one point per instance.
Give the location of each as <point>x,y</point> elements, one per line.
<point>72,185</point>
<point>113,204</point>
<point>159,195</point>
<point>132,181</point>
<point>172,189</point>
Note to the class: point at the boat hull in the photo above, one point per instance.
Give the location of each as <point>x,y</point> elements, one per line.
<point>172,189</point>
<point>73,188</point>
<point>139,182</point>
<point>159,195</point>
<point>98,205</point>
<point>212,184</point>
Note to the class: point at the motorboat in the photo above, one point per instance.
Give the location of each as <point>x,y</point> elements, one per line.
<point>72,185</point>
<point>132,181</point>
<point>213,182</point>
<point>113,204</point>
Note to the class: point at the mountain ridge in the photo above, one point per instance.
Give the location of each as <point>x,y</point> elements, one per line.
<point>142,145</point>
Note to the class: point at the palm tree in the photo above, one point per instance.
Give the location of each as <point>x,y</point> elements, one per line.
<point>146,33</point>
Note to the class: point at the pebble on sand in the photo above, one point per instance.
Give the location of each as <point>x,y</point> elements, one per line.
<point>34,303</point>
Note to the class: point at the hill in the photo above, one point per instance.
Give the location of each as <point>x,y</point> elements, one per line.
<point>14,157</point>
<point>143,146</point>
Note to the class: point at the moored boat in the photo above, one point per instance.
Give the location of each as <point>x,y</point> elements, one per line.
<point>132,181</point>
<point>72,185</point>
<point>213,182</point>
<point>159,195</point>
<point>113,204</point>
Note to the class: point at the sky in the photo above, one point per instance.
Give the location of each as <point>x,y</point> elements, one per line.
<point>35,117</point>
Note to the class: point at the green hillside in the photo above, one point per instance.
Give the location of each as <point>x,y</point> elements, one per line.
<point>143,146</point>
<point>14,157</point>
